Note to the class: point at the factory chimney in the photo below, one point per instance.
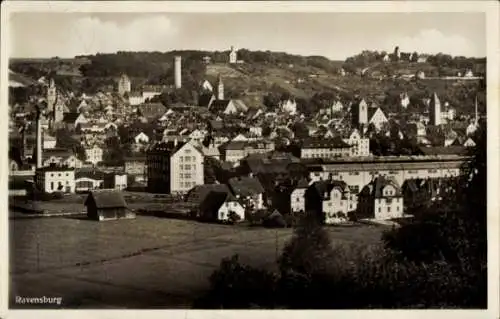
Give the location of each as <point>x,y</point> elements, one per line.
<point>38,136</point>
<point>178,80</point>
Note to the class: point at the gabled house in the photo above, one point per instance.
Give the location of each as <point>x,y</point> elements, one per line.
<point>228,107</point>
<point>207,86</point>
<point>381,199</point>
<point>377,117</point>
<point>288,106</point>
<point>360,146</point>
<point>198,135</point>
<point>331,201</point>
<point>298,197</point>
<point>107,205</point>
<point>219,206</point>
<point>248,190</point>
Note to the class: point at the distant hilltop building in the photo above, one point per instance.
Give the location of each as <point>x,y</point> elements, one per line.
<point>233,56</point>
<point>207,59</point>
<point>124,85</point>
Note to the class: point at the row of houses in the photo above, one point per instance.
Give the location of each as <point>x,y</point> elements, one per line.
<point>65,179</point>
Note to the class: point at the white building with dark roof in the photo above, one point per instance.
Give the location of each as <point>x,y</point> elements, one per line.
<point>324,148</point>
<point>174,167</point>
<point>381,199</point>
<point>55,178</point>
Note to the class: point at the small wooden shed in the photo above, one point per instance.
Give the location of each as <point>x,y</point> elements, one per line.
<point>107,205</point>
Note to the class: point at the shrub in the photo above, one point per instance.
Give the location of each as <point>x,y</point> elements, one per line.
<point>233,217</point>
<point>237,286</point>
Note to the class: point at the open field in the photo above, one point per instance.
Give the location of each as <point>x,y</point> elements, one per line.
<point>143,263</point>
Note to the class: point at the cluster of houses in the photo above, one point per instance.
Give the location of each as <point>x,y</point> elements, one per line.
<point>172,144</point>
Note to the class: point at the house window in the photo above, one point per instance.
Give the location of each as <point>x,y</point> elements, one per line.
<point>51,174</point>
<point>379,209</point>
<point>52,186</point>
<point>388,209</point>
<point>298,199</point>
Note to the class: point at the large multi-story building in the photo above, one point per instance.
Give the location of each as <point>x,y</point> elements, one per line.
<point>358,173</point>
<point>55,178</point>
<point>325,148</point>
<point>330,200</point>
<point>234,151</point>
<point>380,199</point>
<point>174,167</point>
<point>360,146</point>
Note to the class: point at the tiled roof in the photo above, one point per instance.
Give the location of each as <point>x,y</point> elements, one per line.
<point>166,147</point>
<point>335,142</point>
<point>219,106</point>
<point>245,186</point>
<point>106,199</point>
<point>375,187</point>
<point>55,169</point>
<point>70,117</point>
<point>90,173</point>
<point>214,200</point>
<point>439,150</point>
<point>198,193</point>
<point>152,111</point>
<point>204,99</point>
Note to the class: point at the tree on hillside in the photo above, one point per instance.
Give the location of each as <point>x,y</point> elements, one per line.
<point>414,57</point>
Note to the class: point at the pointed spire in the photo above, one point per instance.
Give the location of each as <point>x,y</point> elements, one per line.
<point>476,112</point>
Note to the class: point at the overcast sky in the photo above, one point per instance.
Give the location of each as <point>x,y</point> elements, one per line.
<point>334,35</point>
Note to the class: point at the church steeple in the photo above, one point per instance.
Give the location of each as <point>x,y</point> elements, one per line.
<point>220,88</point>
<point>51,95</point>
<point>476,120</point>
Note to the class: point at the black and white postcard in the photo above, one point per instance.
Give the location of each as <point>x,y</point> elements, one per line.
<point>274,156</point>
